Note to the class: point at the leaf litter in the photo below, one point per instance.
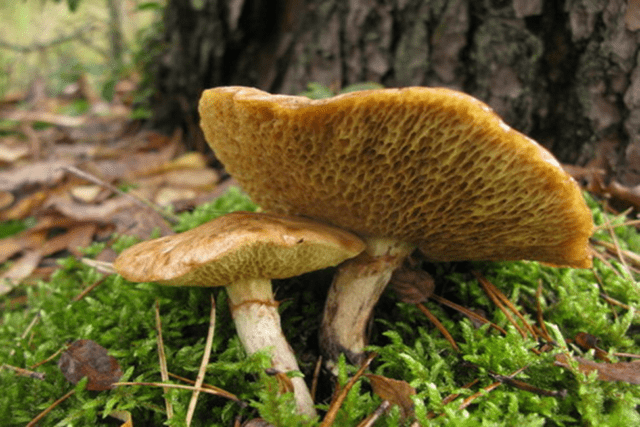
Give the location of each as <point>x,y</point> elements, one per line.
<point>69,171</point>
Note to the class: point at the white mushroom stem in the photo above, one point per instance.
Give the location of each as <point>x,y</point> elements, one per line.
<point>255,314</point>
<point>356,288</point>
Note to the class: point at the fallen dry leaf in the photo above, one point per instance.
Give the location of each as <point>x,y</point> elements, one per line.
<point>622,371</point>
<point>19,271</point>
<point>192,178</point>
<point>86,193</point>
<point>134,164</point>
<point>68,207</point>
<point>24,207</point>
<point>397,392</point>
<point>86,358</point>
<point>44,173</point>
<point>590,342</point>
<point>129,166</point>
<point>412,285</point>
<point>168,195</point>
<point>134,221</point>
<point>35,244</point>
<point>192,160</point>
<point>11,153</point>
<point>78,236</point>
<point>6,199</point>
<point>124,416</point>
<point>10,246</point>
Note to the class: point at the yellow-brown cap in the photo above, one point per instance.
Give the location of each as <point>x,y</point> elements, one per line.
<point>238,246</point>
<point>430,166</point>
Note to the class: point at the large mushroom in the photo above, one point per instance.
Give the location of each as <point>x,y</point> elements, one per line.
<point>427,168</point>
<point>243,251</point>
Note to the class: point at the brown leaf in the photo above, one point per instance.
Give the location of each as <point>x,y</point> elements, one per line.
<point>622,371</point>
<point>397,392</point>
<point>86,193</point>
<point>199,178</point>
<point>20,270</point>
<point>13,152</point>
<point>627,195</point>
<point>13,245</point>
<point>167,195</point>
<point>86,358</point>
<point>78,236</point>
<point>191,160</point>
<point>589,342</point>
<point>412,286</point>
<point>133,221</point>
<point>24,207</point>
<point>45,173</point>
<point>6,199</point>
<point>135,164</point>
<point>124,416</point>
<point>83,212</point>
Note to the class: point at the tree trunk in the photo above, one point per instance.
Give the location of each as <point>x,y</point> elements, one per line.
<point>565,72</point>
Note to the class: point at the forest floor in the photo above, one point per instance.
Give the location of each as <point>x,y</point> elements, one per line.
<point>78,174</point>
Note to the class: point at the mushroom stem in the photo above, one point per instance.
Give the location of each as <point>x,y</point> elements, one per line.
<point>255,314</point>
<point>355,290</point>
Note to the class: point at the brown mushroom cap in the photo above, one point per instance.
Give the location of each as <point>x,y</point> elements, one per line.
<point>238,246</point>
<point>430,166</point>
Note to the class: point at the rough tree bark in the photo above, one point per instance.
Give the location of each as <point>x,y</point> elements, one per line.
<point>566,72</point>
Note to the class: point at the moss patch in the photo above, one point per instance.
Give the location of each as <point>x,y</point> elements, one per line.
<point>120,316</point>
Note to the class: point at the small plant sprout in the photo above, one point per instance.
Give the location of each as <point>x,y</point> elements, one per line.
<point>243,251</point>
<point>414,168</point>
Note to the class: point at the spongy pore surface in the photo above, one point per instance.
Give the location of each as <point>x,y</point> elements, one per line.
<point>430,166</point>
<point>238,246</point>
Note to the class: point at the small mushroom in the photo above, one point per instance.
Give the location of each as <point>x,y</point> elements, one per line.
<point>427,168</point>
<point>244,251</point>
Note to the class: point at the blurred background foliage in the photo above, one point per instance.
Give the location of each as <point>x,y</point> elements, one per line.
<point>48,44</point>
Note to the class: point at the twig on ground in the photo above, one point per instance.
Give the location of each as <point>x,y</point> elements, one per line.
<point>331,414</point>
<point>466,312</point>
<point>42,414</point>
<point>543,326</point>
<point>468,400</point>
<point>23,372</point>
<point>380,410</point>
<point>433,319</point>
<point>218,390</point>
<point>48,359</point>
<point>204,363</point>
<point>88,289</point>
<point>503,303</point>
<point>163,360</point>
<point>207,390</point>
<point>314,380</point>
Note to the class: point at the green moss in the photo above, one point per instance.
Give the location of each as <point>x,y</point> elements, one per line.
<point>120,316</point>
<point>11,227</point>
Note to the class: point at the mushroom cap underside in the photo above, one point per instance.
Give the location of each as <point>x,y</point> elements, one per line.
<point>238,246</point>
<point>431,166</point>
